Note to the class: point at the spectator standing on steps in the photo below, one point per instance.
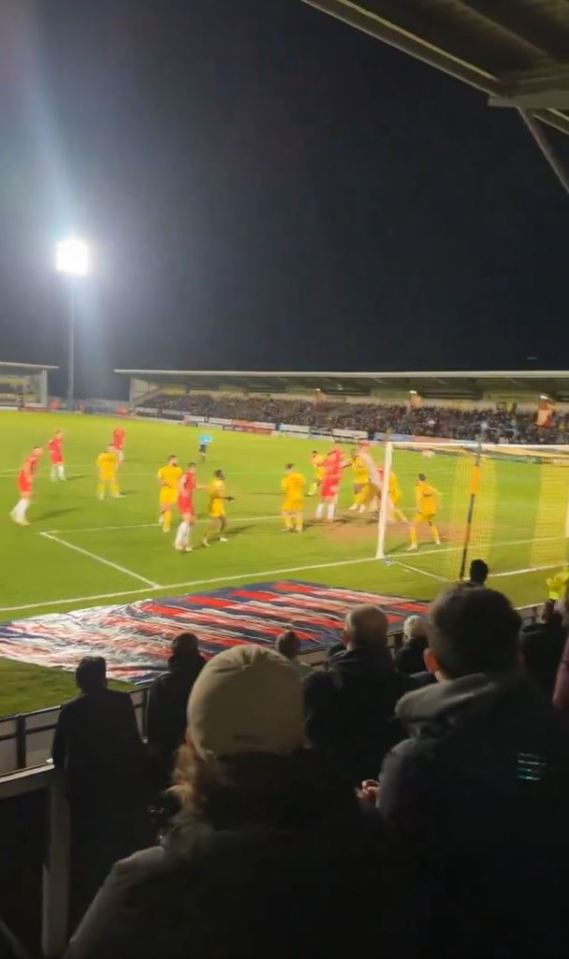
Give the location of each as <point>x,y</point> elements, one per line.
<point>98,745</point>
<point>167,705</point>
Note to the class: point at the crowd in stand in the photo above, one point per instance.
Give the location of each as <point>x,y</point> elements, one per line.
<point>452,423</point>
<point>410,805</point>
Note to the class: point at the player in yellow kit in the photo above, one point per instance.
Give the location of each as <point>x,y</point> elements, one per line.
<point>317,463</point>
<point>216,508</point>
<point>394,494</point>
<point>107,466</point>
<point>426,500</point>
<point>292,485</point>
<point>360,481</point>
<point>168,478</point>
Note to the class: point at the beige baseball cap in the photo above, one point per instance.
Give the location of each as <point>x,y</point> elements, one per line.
<point>246,699</point>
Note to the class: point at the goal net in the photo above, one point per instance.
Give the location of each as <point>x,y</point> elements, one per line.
<point>449,503</point>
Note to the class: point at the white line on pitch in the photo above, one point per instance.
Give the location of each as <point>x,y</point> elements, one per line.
<point>416,569</point>
<point>100,559</point>
<point>103,529</point>
<point>528,569</point>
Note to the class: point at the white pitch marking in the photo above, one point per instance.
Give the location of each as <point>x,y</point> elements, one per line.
<point>98,529</point>
<point>528,569</point>
<point>416,569</point>
<point>100,559</point>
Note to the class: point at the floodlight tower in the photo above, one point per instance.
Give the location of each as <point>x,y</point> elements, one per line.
<point>72,259</point>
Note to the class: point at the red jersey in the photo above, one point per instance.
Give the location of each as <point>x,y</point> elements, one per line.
<point>55,447</point>
<point>186,488</point>
<point>25,476</point>
<point>118,438</point>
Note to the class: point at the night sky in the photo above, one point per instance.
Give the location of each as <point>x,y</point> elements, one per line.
<point>265,188</point>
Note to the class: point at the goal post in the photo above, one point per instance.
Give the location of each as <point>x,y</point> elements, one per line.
<point>508,505</point>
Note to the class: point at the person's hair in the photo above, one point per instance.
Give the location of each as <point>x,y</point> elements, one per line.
<point>185,649</point>
<point>366,626</point>
<point>550,614</point>
<point>172,457</point>
<point>91,673</point>
<point>254,788</point>
<point>218,473</point>
<point>288,644</point>
<point>414,626</point>
<point>478,571</point>
<point>422,477</point>
<point>473,631</point>
<point>289,466</point>
<point>191,465</point>
<point>314,453</point>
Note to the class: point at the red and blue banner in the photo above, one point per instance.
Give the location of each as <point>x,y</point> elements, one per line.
<point>135,638</point>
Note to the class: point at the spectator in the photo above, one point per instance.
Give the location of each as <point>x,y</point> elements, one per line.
<point>288,645</point>
<point>349,708</point>
<point>97,744</point>
<point>479,792</point>
<point>561,688</point>
<point>542,646</point>
<point>260,853</point>
<point>409,659</point>
<point>478,573</point>
<point>167,705</point>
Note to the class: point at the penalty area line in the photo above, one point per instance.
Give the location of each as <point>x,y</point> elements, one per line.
<point>101,559</point>
<point>417,569</point>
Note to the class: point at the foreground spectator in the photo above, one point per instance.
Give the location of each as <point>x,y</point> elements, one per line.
<point>561,688</point>
<point>270,855</point>
<point>288,645</point>
<point>478,573</point>
<point>349,709</point>
<point>409,659</point>
<point>481,789</point>
<point>97,743</point>
<point>542,646</point>
<point>167,705</point>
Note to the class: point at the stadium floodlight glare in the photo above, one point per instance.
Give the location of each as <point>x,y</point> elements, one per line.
<point>543,396</point>
<point>72,257</point>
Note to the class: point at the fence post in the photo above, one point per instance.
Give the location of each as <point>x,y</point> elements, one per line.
<point>56,871</point>
<point>21,750</point>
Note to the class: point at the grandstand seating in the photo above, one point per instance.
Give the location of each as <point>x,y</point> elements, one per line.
<point>437,421</point>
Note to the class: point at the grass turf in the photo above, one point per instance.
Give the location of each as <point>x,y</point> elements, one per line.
<point>114,551</point>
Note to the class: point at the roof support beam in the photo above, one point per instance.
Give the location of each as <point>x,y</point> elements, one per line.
<point>540,137</point>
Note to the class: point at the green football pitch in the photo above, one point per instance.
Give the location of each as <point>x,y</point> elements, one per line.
<point>80,552</point>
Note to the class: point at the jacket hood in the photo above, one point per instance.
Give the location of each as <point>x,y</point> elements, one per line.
<point>478,693</point>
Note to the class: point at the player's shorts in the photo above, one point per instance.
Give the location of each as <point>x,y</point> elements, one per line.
<point>329,488</point>
<point>292,505</point>
<point>56,458</point>
<point>184,504</point>
<point>217,511</point>
<point>394,498</point>
<point>424,517</point>
<point>107,477</point>
<point>167,497</point>
<point>24,487</point>
<point>202,448</point>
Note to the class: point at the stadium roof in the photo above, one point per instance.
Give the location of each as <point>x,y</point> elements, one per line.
<point>515,51</point>
<point>28,367</point>
<point>438,383</point>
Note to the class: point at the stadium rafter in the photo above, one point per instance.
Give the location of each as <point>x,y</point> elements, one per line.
<point>515,51</point>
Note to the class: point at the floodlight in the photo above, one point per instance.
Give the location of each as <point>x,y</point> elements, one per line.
<point>72,257</point>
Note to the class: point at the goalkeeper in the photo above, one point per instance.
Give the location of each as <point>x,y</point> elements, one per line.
<point>216,509</point>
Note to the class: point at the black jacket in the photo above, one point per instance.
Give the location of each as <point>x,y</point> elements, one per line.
<point>409,659</point>
<point>316,877</point>
<point>349,710</point>
<point>479,793</point>
<point>542,646</point>
<point>166,715</point>
<point>97,743</point>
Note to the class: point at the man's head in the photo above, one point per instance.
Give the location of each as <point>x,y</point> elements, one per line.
<point>246,700</point>
<point>288,644</point>
<point>111,448</point>
<point>289,467</point>
<point>365,628</point>
<point>59,434</point>
<point>478,572</point>
<point>472,631</point>
<point>185,644</point>
<point>422,478</point>
<point>218,474</point>
<point>191,467</point>
<point>172,459</point>
<point>91,674</point>
<point>414,627</point>
<point>37,450</point>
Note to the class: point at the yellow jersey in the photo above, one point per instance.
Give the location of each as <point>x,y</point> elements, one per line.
<point>216,492</point>
<point>107,463</point>
<point>393,489</point>
<point>359,471</point>
<point>292,485</point>
<point>426,498</point>
<point>318,464</point>
<point>168,477</point>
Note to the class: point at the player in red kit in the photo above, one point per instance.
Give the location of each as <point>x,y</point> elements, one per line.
<point>118,442</point>
<point>330,485</point>
<point>25,484</point>
<point>186,486</point>
<point>55,450</point>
